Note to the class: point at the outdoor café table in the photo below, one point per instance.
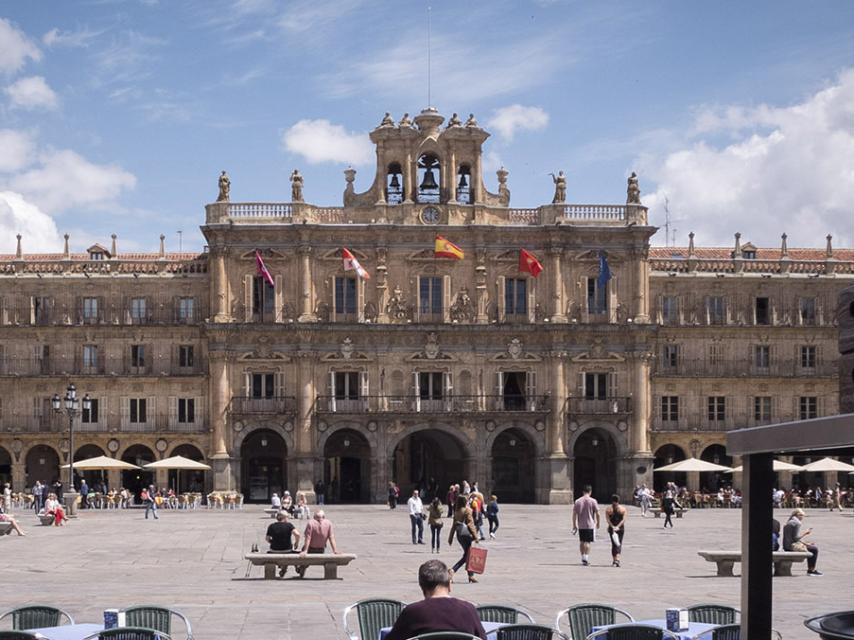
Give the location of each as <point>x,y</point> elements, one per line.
<point>68,631</point>
<point>489,627</point>
<point>694,628</point>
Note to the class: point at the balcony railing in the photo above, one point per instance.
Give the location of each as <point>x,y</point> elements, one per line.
<point>736,368</point>
<point>66,311</point>
<point>599,406</point>
<point>46,423</point>
<point>446,404</point>
<point>271,405</point>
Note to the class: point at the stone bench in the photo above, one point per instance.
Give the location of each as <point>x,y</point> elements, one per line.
<point>678,513</point>
<point>272,511</point>
<point>726,559</point>
<point>5,528</point>
<point>272,561</point>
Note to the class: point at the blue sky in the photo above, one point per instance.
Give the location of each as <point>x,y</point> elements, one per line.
<point>117,115</point>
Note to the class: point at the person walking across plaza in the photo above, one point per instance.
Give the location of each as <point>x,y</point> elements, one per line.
<point>439,610</point>
<point>318,532</point>
<point>795,540</point>
<point>492,515</point>
<point>669,504</point>
<point>434,519</point>
<point>147,497</point>
<point>463,528</point>
<point>615,516</point>
<point>393,493</point>
<point>645,500</point>
<point>416,517</point>
<point>585,516</point>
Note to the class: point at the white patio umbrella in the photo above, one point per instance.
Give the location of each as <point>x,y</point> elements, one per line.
<point>104,463</point>
<point>827,464</point>
<point>779,465</point>
<point>185,464</point>
<point>692,464</point>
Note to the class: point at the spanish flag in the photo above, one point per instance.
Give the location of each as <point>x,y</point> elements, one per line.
<point>447,249</point>
<point>529,264</point>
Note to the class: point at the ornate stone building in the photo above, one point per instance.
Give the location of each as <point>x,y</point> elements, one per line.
<point>616,357</point>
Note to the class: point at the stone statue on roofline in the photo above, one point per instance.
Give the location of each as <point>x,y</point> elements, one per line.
<point>633,190</point>
<point>405,121</point>
<point>387,121</point>
<point>454,121</point>
<point>224,188</point>
<point>296,186</point>
<point>503,189</point>
<point>560,187</point>
<point>471,122</point>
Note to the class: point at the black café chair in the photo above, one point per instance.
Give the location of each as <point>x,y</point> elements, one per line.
<point>713,614</point>
<point>36,616</point>
<point>129,633</point>
<point>372,614</point>
<point>155,617</point>
<point>581,618</point>
<point>526,632</point>
<point>503,614</point>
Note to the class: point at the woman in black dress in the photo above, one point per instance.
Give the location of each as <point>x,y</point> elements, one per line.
<point>616,517</point>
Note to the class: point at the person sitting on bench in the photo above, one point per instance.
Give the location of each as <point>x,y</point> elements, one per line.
<point>281,535</point>
<point>318,532</point>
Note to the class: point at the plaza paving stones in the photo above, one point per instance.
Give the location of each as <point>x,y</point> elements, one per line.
<point>193,561</point>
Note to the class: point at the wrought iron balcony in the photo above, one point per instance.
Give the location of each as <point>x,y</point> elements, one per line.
<point>745,367</point>
<point>614,406</point>
<point>447,404</point>
<point>273,405</point>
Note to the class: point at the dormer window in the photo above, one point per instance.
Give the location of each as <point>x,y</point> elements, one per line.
<point>97,252</point>
<point>96,255</point>
<point>749,255</point>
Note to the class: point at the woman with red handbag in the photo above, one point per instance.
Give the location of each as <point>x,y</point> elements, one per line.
<point>466,533</point>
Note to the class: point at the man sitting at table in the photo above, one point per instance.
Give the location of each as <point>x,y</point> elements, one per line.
<point>438,611</point>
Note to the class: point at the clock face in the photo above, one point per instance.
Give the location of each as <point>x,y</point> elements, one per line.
<point>430,215</point>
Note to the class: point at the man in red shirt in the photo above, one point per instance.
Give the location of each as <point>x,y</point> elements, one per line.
<point>438,611</point>
<point>318,532</point>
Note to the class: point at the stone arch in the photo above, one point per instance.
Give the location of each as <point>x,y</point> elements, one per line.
<point>239,437</point>
<point>135,480</point>
<point>537,438</point>
<point>183,481</point>
<point>595,452</point>
<point>665,454</point>
<point>513,454</point>
<point>263,464</point>
<point>84,452</point>
<point>618,436</point>
<point>41,463</point>
<point>430,454</point>
<point>367,434</point>
<point>5,466</point>
<point>715,453</point>
<point>348,454</point>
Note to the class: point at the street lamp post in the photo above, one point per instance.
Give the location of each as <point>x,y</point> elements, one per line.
<point>70,406</point>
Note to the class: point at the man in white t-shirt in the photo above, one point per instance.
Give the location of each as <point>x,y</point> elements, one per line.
<point>585,516</point>
<point>416,509</point>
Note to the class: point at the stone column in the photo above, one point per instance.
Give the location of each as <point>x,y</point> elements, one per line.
<point>641,288</point>
<point>452,178</point>
<point>382,178</point>
<point>219,286</point>
<point>220,397</point>
<point>307,310</point>
<point>558,489</point>
<point>408,182</point>
<point>305,455</point>
<point>558,305</point>
<point>19,476</point>
<point>481,291</point>
<point>640,454</point>
<point>476,185</point>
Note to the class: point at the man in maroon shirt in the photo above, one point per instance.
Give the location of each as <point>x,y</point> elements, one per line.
<point>438,611</point>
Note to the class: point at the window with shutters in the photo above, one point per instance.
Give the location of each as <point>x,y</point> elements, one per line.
<point>670,357</point>
<point>186,410</point>
<point>596,386</point>
<point>186,356</point>
<point>807,311</point>
<point>90,415</point>
<point>431,385</point>
<point>346,297</point>
<point>90,309</point>
<point>597,297</point>
<point>138,310</point>
<point>762,409</point>
<point>670,310</point>
<point>42,308</point>
<point>90,358</point>
<point>186,309</point>
<point>430,297</point>
<point>808,407</point>
<point>347,385</point>
<point>263,300</point>
<point>516,296</point>
<point>137,412</point>
<point>263,385</point>
<point>137,358</point>
<point>716,353</point>
<point>808,356</point>
<point>716,408</point>
<point>762,356</point>
<point>669,408</point>
<point>716,309</point>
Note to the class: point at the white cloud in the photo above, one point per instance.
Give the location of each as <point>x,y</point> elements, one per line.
<point>15,48</point>
<point>780,169</point>
<point>65,179</point>
<point>19,216</point>
<point>32,93</point>
<point>72,39</point>
<point>321,141</point>
<point>128,57</point>
<point>18,150</point>
<point>515,117</point>
<point>305,16</point>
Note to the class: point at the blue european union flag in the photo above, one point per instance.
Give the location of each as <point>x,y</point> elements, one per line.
<point>604,271</point>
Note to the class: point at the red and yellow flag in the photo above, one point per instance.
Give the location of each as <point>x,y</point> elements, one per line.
<point>529,264</point>
<point>447,249</point>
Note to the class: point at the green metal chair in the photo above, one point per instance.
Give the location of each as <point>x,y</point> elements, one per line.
<point>17,635</point>
<point>632,631</point>
<point>155,617</point>
<point>129,633</point>
<point>503,614</point>
<point>526,632</point>
<point>372,614</point>
<point>445,635</point>
<point>720,614</point>
<point>581,618</point>
<point>36,616</point>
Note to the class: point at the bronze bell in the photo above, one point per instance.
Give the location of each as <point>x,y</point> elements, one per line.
<point>395,183</point>
<point>429,181</point>
<point>463,183</point>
